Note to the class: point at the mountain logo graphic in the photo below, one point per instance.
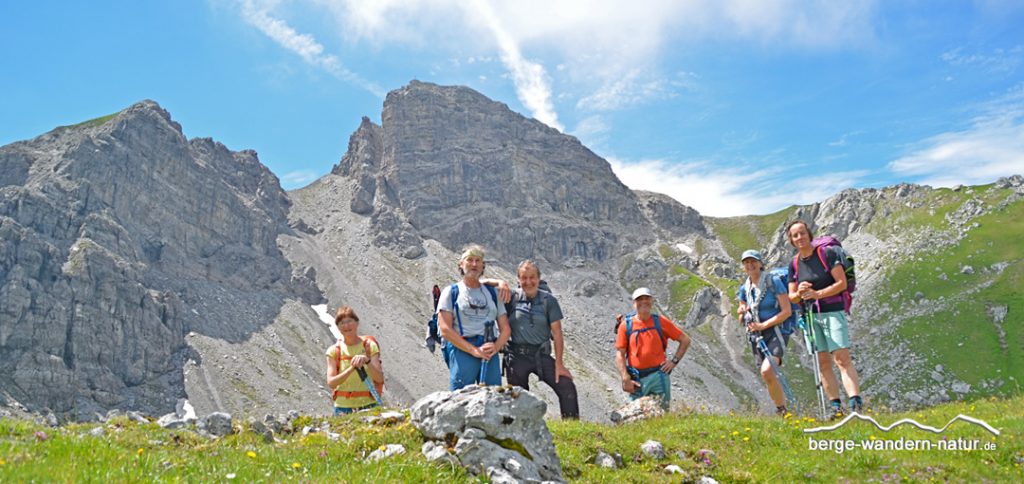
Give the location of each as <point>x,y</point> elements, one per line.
<point>855,415</point>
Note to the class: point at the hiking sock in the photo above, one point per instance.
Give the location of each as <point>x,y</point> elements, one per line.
<point>856,404</point>
<point>837,408</point>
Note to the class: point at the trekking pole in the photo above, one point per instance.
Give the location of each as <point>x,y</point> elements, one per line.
<point>806,323</point>
<point>369,385</point>
<point>488,338</point>
<point>790,396</point>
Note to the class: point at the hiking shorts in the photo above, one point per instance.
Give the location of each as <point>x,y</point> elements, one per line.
<point>464,368</point>
<point>776,346</point>
<point>348,411</point>
<point>656,383</point>
<point>831,331</point>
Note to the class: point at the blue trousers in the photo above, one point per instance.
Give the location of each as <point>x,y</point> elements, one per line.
<point>464,369</point>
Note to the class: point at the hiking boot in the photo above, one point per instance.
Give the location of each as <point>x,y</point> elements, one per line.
<point>857,405</point>
<point>781,411</point>
<point>836,411</point>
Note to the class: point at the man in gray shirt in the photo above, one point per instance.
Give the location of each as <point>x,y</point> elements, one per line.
<point>536,321</point>
<point>464,325</point>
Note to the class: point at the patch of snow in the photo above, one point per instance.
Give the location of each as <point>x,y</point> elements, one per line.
<point>321,311</point>
<point>684,248</point>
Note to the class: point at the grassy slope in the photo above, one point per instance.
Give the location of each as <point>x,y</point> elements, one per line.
<point>944,337</point>
<point>745,448</point>
<point>749,232</point>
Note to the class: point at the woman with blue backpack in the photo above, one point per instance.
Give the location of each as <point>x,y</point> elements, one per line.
<point>763,306</point>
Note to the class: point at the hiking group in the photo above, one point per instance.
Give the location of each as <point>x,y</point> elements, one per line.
<point>487,330</point>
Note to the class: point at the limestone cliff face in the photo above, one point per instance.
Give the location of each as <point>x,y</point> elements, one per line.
<point>112,234</point>
<point>451,165</point>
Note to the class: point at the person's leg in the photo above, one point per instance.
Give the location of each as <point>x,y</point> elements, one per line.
<point>565,388</point>
<point>464,369</point>
<point>519,369</point>
<point>851,380</point>
<point>774,387</point>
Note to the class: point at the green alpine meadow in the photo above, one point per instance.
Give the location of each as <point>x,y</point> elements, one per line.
<point>727,448</point>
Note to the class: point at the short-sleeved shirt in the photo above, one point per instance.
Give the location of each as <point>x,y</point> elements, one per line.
<point>646,349</point>
<point>476,307</point>
<point>352,384</point>
<point>811,270</point>
<point>769,305</point>
<point>531,318</point>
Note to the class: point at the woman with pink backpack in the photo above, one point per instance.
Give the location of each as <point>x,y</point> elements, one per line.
<point>818,280</point>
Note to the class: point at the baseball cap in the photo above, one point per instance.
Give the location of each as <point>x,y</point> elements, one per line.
<point>642,291</point>
<point>751,253</point>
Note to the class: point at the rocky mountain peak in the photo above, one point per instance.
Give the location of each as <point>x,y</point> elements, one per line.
<point>449,164</point>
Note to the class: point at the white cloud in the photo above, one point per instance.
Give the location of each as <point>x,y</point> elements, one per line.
<point>305,45</point>
<point>992,147</point>
<point>719,191</point>
<point>299,178</point>
<point>626,91</point>
<point>591,128</point>
<point>999,61</point>
<point>533,87</point>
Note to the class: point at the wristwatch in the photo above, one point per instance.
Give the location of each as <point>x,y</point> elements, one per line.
<point>675,361</point>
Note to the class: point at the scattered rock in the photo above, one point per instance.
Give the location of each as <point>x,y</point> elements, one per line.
<point>639,409</point>
<point>217,424</point>
<point>170,421</point>
<point>434,451</point>
<point>653,449</point>
<point>967,270</point>
<point>605,460</point>
<point>98,432</point>
<point>386,451</point>
<point>673,469</point>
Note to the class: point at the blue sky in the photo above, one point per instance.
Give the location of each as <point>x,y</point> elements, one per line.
<point>732,106</point>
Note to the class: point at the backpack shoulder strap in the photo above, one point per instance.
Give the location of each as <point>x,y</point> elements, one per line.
<point>454,292</point>
<point>366,344</point>
<point>494,294</point>
<point>657,327</point>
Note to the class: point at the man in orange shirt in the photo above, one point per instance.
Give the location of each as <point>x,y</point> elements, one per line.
<point>640,349</point>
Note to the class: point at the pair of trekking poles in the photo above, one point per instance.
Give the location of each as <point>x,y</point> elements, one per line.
<point>806,322</point>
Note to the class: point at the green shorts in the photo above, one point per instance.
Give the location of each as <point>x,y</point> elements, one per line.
<point>656,383</point>
<point>831,331</point>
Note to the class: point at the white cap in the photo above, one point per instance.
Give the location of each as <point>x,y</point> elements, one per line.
<point>642,291</point>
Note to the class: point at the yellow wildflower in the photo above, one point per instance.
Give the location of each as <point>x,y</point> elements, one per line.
<point>872,437</point>
<point>296,465</point>
<point>746,439</point>
<point>383,448</point>
<point>251,454</point>
<point>140,451</point>
<point>746,429</point>
<point>3,462</point>
<point>735,433</point>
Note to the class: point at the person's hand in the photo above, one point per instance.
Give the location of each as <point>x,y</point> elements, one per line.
<point>504,292</point>
<point>561,370</point>
<point>488,350</point>
<point>742,309</point>
<point>755,326</point>
<point>667,366</point>
<point>358,361</point>
<point>630,386</point>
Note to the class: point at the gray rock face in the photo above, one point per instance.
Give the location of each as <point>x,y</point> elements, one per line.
<point>499,430</point>
<point>218,424</point>
<point>113,238</point>
<point>451,165</point>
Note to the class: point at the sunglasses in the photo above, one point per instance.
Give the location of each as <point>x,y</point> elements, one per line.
<point>477,305</point>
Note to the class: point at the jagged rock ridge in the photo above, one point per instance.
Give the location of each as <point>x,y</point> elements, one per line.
<point>117,238</point>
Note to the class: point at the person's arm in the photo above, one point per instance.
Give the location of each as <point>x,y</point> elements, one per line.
<point>504,291</point>
<point>783,315</point>
<point>839,274</point>
<point>684,344</point>
<point>628,385</point>
<point>559,343</point>
<point>444,324</point>
<point>333,377</point>
<point>375,369</point>
<point>504,332</point>
<point>794,293</point>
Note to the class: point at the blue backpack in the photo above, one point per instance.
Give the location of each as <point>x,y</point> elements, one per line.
<point>788,326</point>
<point>629,334</point>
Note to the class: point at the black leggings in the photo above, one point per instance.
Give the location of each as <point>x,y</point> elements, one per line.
<point>519,367</point>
